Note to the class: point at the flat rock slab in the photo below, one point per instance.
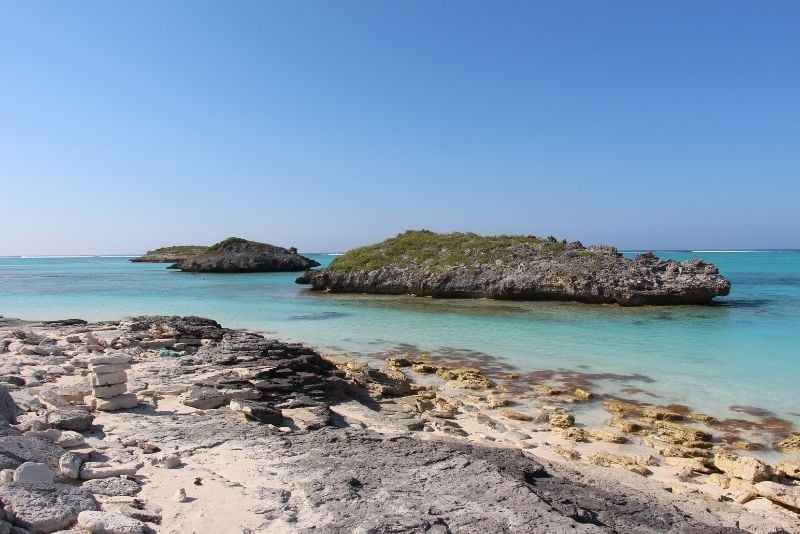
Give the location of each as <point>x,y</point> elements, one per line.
<point>105,392</point>
<point>107,368</point>
<point>44,506</point>
<point>109,379</point>
<point>309,418</point>
<point>125,401</point>
<point>16,450</point>
<point>106,523</point>
<point>110,359</point>
<point>71,418</point>
<point>89,472</point>
<point>114,487</point>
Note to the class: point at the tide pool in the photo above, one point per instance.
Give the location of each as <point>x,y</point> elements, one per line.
<point>744,351</point>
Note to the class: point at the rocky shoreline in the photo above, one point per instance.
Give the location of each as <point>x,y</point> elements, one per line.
<point>460,265</point>
<point>236,432</point>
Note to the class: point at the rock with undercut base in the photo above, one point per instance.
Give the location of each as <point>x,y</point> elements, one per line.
<point>466,265</point>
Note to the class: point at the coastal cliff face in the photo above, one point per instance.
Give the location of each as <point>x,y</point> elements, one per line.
<point>462,265</point>
<point>235,255</point>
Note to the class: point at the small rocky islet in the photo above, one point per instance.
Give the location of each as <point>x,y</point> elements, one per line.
<point>232,255</point>
<point>307,442</point>
<point>466,265</point>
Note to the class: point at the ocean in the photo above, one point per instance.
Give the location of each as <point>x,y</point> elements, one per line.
<point>738,359</point>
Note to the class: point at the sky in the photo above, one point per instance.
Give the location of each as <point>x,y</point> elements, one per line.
<point>325,125</point>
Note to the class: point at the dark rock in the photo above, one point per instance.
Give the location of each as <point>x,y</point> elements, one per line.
<point>516,268</point>
<point>465,488</point>
<point>62,414</point>
<point>174,326</point>
<point>260,412</point>
<point>8,408</point>
<point>235,255</point>
<point>66,322</point>
<point>45,506</point>
<point>16,450</point>
<point>13,379</point>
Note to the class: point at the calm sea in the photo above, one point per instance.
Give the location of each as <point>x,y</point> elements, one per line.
<point>744,351</point>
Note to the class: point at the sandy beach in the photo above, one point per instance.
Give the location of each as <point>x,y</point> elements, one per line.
<point>233,432</point>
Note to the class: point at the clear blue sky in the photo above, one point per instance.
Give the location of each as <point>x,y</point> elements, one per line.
<point>330,124</point>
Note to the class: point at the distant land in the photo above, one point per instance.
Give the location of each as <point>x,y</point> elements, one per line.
<point>231,255</point>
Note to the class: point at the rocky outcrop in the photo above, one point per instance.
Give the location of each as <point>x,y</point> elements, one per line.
<point>516,267</point>
<point>235,255</point>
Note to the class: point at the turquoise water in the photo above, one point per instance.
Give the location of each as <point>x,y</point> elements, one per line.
<point>744,351</point>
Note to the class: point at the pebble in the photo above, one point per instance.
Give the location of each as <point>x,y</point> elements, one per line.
<point>180,495</point>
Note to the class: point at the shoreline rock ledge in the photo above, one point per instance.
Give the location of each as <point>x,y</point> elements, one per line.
<point>232,255</point>
<point>466,265</point>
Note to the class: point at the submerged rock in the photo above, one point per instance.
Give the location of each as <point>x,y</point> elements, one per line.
<point>235,255</point>
<point>516,267</point>
<point>790,443</point>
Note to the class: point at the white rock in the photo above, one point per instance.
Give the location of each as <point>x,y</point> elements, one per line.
<point>69,465</point>
<point>33,471</point>
<point>779,493</point>
<point>118,402</point>
<point>105,392</point>
<point>106,523</point>
<point>170,461</point>
<point>89,472</point>
<point>115,358</point>
<point>90,339</point>
<point>108,379</point>
<point>6,476</point>
<point>70,438</point>
<point>180,495</point>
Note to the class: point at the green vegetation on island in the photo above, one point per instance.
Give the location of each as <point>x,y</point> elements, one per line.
<point>188,250</point>
<point>438,252</point>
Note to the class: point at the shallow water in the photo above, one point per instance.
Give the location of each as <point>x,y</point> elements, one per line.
<point>745,351</point>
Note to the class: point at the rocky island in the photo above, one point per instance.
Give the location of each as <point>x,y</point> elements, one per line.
<point>466,265</point>
<point>232,255</point>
